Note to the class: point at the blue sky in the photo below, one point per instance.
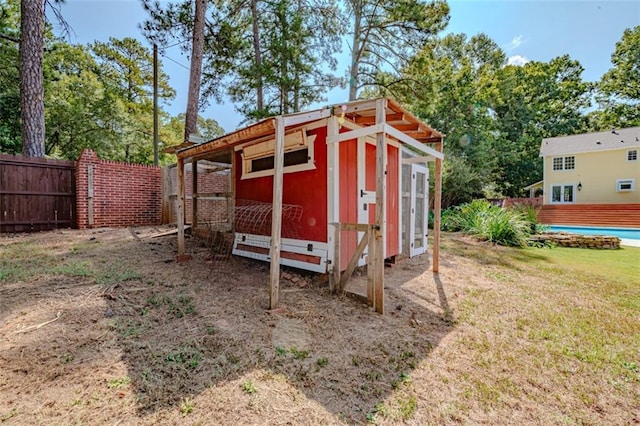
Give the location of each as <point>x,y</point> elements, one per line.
<point>527,30</point>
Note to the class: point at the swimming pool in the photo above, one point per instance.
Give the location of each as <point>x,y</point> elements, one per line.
<point>622,233</point>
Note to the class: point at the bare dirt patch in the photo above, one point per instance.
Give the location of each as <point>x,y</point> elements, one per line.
<point>104,327</point>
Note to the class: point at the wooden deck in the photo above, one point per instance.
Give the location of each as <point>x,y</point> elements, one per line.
<point>610,215</point>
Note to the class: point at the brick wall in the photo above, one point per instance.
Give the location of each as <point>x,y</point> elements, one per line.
<point>209,182</point>
<point>123,194</point>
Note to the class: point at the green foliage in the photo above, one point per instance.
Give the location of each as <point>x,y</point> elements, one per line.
<point>488,222</point>
<point>299,354</point>
<point>185,356</point>
<point>388,32</point>
<point>494,115</point>
<point>117,273</point>
<point>461,182</point>
<point>186,406</point>
<point>618,92</point>
<point>119,382</point>
<point>248,387</point>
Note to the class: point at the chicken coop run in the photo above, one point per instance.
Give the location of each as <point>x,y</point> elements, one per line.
<point>326,191</point>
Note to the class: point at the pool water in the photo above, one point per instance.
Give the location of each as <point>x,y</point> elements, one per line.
<point>622,233</point>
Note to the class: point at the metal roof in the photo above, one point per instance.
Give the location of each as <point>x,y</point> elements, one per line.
<point>628,138</point>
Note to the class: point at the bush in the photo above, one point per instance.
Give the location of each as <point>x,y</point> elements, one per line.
<point>506,227</point>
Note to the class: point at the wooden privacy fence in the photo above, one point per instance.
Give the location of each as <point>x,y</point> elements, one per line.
<point>36,194</point>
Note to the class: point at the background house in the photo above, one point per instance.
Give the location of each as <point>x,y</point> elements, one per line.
<point>592,179</point>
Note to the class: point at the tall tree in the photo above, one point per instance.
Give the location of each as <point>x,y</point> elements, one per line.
<point>195,71</point>
<point>125,68</point>
<point>31,85</point>
<point>537,100</point>
<point>618,92</point>
<point>444,84</point>
<point>10,136</point>
<point>385,34</point>
<point>268,56</point>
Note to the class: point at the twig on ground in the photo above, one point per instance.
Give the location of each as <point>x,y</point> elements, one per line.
<point>37,326</point>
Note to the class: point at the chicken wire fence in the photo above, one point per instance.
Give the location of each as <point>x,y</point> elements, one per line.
<point>219,218</point>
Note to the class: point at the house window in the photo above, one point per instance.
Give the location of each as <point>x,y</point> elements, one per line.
<point>562,194</point>
<point>632,155</point>
<point>258,159</point>
<point>564,163</point>
<point>625,185</point>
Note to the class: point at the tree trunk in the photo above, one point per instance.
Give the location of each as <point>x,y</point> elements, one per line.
<point>31,87</point>
<point>258,58</point>
<point>191,119</point>
<point>355,51</point>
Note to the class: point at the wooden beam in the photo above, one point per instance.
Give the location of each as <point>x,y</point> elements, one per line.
<point>360,227</point>
<point>408,140</point>
<point>411,127</point>
<point>335,281</point>
<point>421,159</point>
<point>357,106</point>
<point>194,194</point>
<point>381,192</point>
<point>371,268</point>
<point>354,134</point>
<point>371,119</point>
<point>259,129</point>
<point>333,202</point>
<point>354,261</point>
<point>305,117</point>
<point>437,205</point>
<point>181,202</point>
<point>276,215</point>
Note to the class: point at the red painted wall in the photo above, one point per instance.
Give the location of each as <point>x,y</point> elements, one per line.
<point>393,201</point>
<point>123,194</point>
<point>307,189</point>
<point>348,176</point>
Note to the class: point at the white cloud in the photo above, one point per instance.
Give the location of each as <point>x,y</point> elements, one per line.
<point>514,43</point>
<point>517,60</point>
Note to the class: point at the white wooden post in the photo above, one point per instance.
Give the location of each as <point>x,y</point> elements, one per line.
<point>437,205</point>
<point>381,191</point>
<point>276,217</point>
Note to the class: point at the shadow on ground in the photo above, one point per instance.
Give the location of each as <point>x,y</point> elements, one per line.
<point>185,329</point>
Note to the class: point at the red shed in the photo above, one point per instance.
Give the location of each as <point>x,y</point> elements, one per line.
<point>327,190</point>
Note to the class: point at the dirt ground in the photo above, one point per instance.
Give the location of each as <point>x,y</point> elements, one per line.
<point>109,329</point>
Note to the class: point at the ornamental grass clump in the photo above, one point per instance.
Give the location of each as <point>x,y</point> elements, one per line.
<point>488,222</point>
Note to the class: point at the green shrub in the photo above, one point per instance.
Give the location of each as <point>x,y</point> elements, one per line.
<point>507,227</point>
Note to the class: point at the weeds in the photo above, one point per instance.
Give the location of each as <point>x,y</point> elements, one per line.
<point>186,406</point>
<point>184,306</point>
<point>248,387</point>
<point>322,362</point>
<point>66,358</point>
<point>185,356</point>
<point>117,274</point>
<point>118,383</point>
<point>299,354</point>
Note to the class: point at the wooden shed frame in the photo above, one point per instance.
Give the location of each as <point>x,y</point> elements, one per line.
<point>383,119</point>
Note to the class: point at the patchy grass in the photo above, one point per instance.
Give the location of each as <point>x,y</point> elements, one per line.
<point>534,335</point>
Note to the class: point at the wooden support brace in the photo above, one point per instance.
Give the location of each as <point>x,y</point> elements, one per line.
<point>354,261</point>
<point>336,258</point>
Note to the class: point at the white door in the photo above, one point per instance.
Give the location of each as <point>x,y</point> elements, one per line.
<point>418,219</point>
